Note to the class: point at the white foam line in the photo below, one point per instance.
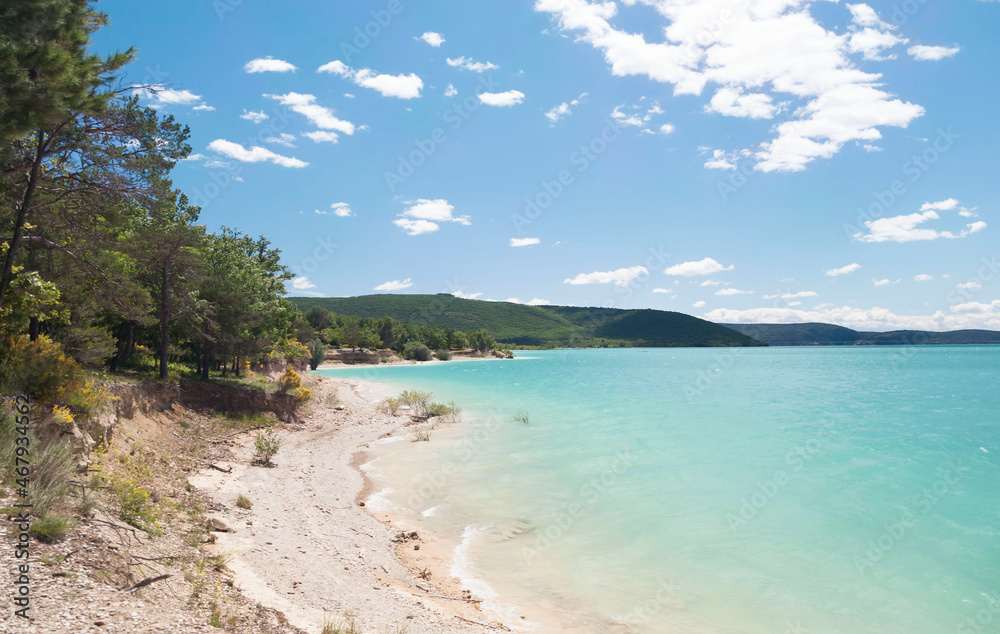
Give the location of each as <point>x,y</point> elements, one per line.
<point>379,502</point>
<point>462,568</point>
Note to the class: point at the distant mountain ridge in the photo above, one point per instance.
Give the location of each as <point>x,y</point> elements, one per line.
<point>544,326</point>
<point>817,334</point>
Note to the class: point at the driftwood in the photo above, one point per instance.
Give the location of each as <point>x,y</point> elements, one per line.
<point>146,582</point>
<point>218,468</point>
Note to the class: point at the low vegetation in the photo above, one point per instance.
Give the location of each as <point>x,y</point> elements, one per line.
<point>266,445</point>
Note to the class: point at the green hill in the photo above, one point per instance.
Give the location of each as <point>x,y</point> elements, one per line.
<point>517,324</point>
<point>829,334</point>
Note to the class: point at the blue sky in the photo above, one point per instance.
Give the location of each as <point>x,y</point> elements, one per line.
<point>738,160</point>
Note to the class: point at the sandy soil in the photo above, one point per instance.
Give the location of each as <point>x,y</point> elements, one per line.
<point>309,549</point>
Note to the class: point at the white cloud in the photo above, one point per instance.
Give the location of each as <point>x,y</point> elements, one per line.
<point>942,205</point>
<point>619,277</point>
<point>883,282</point>
<point>423,216</point>
<point>450,91</point>
<point>416,227</point>
<point>395,285</point>
<point>707,266</point>
<point>462,295</point>
<point>254,155</point>
<point>710,283</point>
<point>733,103</point>
<point>564,109</point>
<point>283,139</point>
<point>502,99</point>
<point>932,53</point>
<point>268,65</point>
<point>726,292</point>
<point>159,96</point>
<point>864,15</point>
<point>722,160</point>
<point>641,116</point>
<point>399,86</point>
<point>907,228</point>
<point>698,304</point>
<point>662,290</point>
<point>256,117</point>
<point>872,42</point>
<point>194,157</point>
<point>204,108</point>
<point>797,295</point>
<point>342,210</point>
<point>322,136</point>
<point>977,307</point>
<point>302,284</point>
<point>470,64</point>
<point>320,116</point>
<point>523,242</point>
<point>971,286</point>
<point>844,270</point>
<point>962,316</point>
<point>774,48</point>
<point>432,38</point>
<point>923,277</point>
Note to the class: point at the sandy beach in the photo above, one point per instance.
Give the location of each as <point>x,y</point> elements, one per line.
<point>309,548</point>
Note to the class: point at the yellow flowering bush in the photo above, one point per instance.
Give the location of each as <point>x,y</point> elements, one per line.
<point>290,380</point>
<point>303,394</point>
<point>62,415</point>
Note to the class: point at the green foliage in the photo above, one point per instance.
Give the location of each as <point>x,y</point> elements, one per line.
<point>290,380</point>
<point>243,502</point>
<point>266,445</point>
<point>521,417</point>
<point>418,402</point>
<point>49,529</point>
<point>417,351</point>
<point>481,340</point>
<point>390,405</point>
<point>317,353</point>
<point>127,484</point>
<point>536,326</point>
<point>45,67</point>
<point>38,368</point>
<point>443,354</point>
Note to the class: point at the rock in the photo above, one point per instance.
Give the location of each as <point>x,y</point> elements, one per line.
<point>215,524</point>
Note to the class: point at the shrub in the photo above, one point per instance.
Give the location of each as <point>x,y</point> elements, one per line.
<point>62,415</point>
<point>417,401</point>
<point>90,398</point>
<point>39,368</point>
<point>126,484</point>
<point>443,354</point>
<point>289,380</point>
<point>48,529</point>
<point>417,351</point>
<point>52,469</point>
<point>422,435</point>
<point>266,445</point>
<point>390,405</point>
<point>303,394</point>
<point>521,416</point>
<point>243,502</point>
<point>317,353</point>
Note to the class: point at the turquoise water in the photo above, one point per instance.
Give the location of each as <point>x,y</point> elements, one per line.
<point>788,490</point>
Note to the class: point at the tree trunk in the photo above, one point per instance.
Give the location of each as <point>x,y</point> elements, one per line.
<point>206,361</point>
<point>164,322</point>
<point>22,218</point>
<point>126,342</point>
<point>34,329</point>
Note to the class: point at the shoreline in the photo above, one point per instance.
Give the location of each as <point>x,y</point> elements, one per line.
<point>334,561</point>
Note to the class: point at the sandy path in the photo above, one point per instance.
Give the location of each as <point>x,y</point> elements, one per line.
<point>307,549</point>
